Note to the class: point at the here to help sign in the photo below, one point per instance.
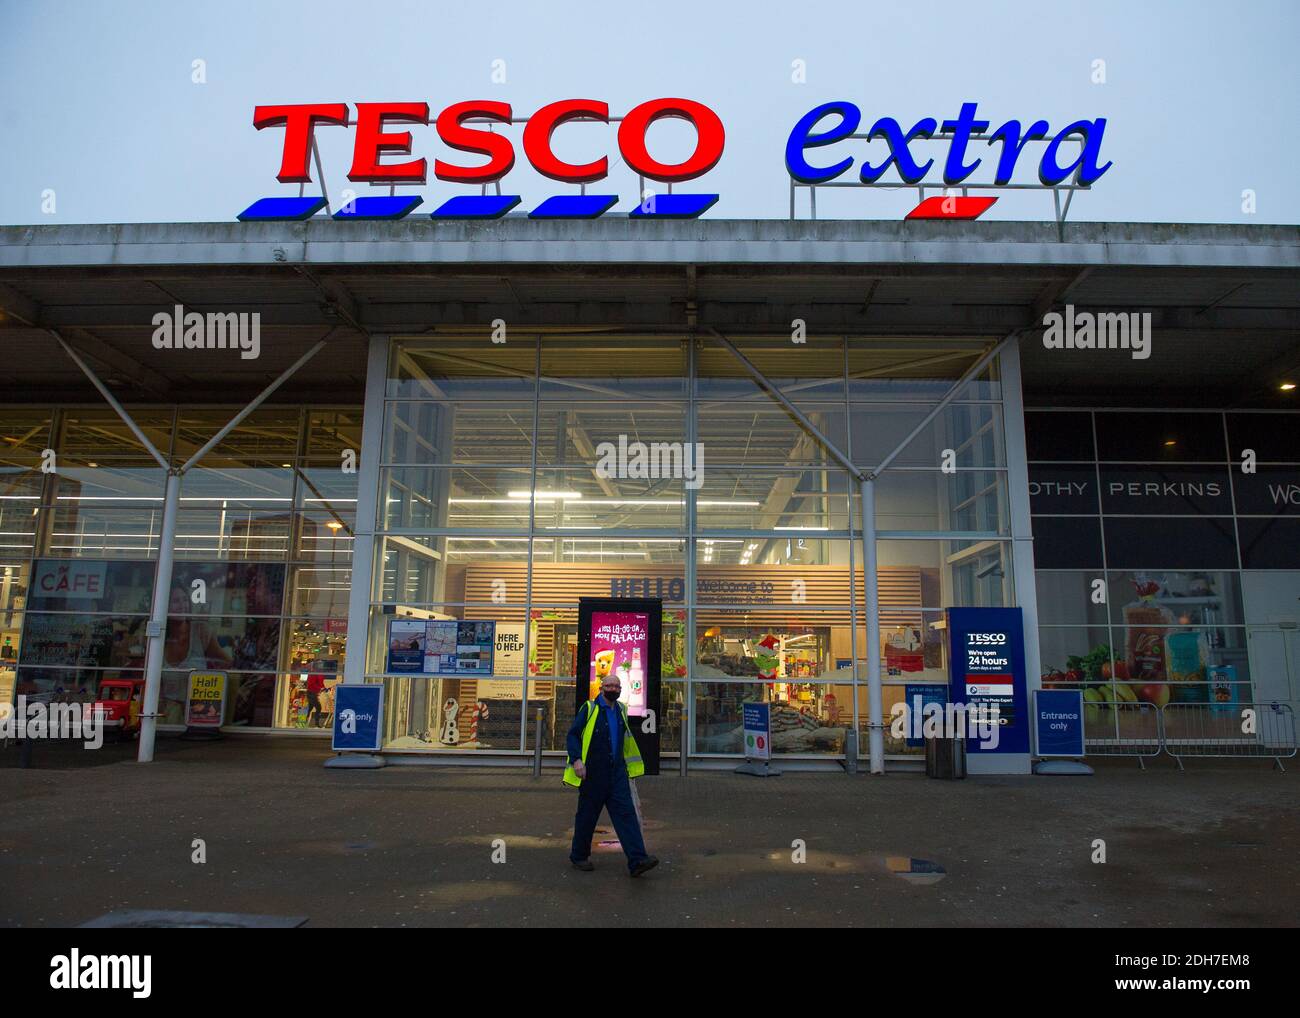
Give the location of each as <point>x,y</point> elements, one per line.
<point>1058,722</point>
<point>358,711</point>
<point>756,720</point>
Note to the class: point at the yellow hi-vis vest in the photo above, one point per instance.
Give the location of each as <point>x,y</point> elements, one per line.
<point>631,754</point>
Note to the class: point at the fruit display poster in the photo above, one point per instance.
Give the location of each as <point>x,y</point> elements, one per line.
<point>620,643</point>
<point>986,666</point>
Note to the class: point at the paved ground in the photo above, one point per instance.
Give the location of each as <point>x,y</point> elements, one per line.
<point>83,834</point>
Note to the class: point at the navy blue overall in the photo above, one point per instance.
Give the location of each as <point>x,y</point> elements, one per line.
<point>606,786</point>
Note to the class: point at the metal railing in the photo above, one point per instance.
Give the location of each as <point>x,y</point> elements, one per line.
<point>1257,730</point>
<point>1123,728</point>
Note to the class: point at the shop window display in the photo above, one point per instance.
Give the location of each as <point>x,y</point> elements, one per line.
<point>806,717</point>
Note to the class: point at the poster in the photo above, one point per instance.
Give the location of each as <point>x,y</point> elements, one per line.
<point>620,644</point>
<point>205,705</point>
<point>756,722</point>
<point>406,646</point>
<point>509,653</point>
<point>440,647</point>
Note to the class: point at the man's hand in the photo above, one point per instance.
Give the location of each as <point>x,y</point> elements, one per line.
<point>580,768</point>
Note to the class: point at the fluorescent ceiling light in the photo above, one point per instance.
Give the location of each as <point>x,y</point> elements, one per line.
<point>544,495</point>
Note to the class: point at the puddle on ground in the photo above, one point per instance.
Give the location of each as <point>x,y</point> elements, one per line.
<point>915,871</point>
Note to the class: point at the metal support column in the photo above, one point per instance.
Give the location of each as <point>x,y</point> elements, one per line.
<point>368,502</point>
<point>157,628</point>
<point>1022,540</point>
<point>875,691</point>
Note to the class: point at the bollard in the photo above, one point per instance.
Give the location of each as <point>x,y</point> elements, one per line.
<point>681,741</point>
<point>537,744</point>
<point>851,751</point>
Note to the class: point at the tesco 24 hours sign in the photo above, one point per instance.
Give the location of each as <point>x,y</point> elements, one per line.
<point>467,127</point>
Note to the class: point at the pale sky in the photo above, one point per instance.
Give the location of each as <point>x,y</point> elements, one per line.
<point>98,105</point>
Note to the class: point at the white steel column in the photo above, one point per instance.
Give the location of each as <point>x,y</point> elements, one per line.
<point>157,628</point>
<point>875,694</point>
<point>1022,539</point>
<point>368,496</point>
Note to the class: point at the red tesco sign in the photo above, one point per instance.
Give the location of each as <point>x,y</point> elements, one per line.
<point>373,139</point>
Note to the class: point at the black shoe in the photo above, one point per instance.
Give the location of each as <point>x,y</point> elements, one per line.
<point>645,865</point>
<point>583,864</point>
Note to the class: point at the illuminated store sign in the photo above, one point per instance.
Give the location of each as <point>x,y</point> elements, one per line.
<point>471,127</point>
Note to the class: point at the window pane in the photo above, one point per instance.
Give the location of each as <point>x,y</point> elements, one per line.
<point>463,367</point>
<point>1059,436</point>
<point>321,591</point>
<point>442,432</point>
<point>940,574</point>
<point>232,533</point>
<point>325,537</point>
<point>1176,598</point>
<point>1158,437</point>
<point>796,503</point>
<point>882,369</point>
<point>930,500</point>
<point>1067,598</point>
<point>575,433</point>
<point>606,504</point>
<point>812,370</point>
<point>92,531</point>
<point>805,717</point>
<point>972,433</point>
<point>750,432</point>
<point>613,367</point>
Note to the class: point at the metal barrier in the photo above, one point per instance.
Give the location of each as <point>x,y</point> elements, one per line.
<point>1123,728</point>
<point>1259,730</point>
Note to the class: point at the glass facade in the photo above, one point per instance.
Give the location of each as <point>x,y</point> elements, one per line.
<point>1166,544</point>
<point>495,505</point>
<point>263,553</point>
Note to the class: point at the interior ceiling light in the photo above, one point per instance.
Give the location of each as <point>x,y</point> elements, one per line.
<point>543,495</point>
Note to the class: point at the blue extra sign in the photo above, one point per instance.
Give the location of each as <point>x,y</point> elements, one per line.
<point>1058,722</point>
<point>986,671</point>
<point>358,713</point>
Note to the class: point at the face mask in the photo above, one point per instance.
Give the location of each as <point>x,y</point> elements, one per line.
<point>611,697</point>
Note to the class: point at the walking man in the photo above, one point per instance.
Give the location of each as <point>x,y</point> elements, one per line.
<point>603,758</point>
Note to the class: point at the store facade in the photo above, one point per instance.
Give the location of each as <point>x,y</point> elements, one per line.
<point>449,459</point>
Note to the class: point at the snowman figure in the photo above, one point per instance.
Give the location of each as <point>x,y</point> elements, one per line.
<point>450,729</point>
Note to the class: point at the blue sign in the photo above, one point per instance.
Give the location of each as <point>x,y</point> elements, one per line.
<point>986,671</point>
<point>1058,722</point>
<point>358,713</point>
<point>917,697</point>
